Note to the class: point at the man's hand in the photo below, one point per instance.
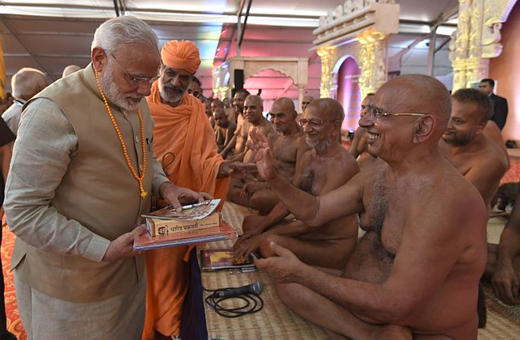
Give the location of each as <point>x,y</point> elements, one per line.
<point>250,187</point>
<point>176,196</point>
<point>263,154</point>
<point>236,169</point>
<point>244,247</point>
<point>123,246</point>
<point>283,268</point>
<point>506,284</point>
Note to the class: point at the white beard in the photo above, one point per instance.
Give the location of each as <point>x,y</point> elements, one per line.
<point>114,94</point>
<point>320,144</point>
<point>170,96</point>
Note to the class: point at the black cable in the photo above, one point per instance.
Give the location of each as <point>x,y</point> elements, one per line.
<point>253,304</point>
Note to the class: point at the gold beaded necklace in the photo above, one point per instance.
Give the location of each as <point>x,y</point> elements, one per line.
<point>125,151</point>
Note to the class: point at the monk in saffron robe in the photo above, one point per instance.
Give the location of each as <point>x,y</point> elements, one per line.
<point>185,144</point>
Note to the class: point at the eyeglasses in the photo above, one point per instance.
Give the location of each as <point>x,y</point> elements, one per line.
<point>376,113</point>
<point>315,123</point>
<point>135,80</point>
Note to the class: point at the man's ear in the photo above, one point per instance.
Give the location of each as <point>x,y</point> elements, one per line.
<point>99,59</point>
<point>423,129</point>
<point>481,127</point>
<point>337,126</point>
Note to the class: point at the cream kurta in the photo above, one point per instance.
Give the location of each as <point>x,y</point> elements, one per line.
<point>70,192</point>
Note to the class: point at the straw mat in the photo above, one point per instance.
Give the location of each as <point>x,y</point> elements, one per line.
<point>276,321</point>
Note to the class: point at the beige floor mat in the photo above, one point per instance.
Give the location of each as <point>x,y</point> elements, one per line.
<point>276,321</point>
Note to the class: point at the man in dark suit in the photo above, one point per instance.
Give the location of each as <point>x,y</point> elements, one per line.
<point>499,103</point>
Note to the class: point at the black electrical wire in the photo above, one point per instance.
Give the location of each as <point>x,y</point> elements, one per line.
<point>253,304</point>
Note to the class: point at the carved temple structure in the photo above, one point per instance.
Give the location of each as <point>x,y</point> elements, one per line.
<point>477,39</point>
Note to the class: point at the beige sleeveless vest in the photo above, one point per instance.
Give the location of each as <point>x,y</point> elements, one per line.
<point>98,191</point>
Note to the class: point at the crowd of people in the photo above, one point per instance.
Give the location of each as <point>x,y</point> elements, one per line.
<point>133,131</point>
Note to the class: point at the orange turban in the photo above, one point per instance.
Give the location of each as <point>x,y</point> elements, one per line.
<point>183,55</point>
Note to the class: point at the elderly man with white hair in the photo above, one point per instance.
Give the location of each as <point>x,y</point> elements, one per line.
<point>25,83</point>
<point>83,172</point>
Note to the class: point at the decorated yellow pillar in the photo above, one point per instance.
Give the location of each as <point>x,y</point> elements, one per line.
<point>327,64</point>
<point>372,61</point>
<point>357,29</point>
<point>477,39</point>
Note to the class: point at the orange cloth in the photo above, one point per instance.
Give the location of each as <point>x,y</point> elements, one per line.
<point>184,55</point>
<point>185,144</point>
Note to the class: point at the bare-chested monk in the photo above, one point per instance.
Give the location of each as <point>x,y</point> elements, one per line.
<point>321,169</point>
<point>224,129</point>
<point>493,132</point>
<point>207,110</point>
<point>420,262</point>
<point>306,100</point>
<point>288,145</point>
<point>359,146</point>
<point>465,145</point>
<point>503,268</point>
<point>262,200</point>
<point>242,131</point>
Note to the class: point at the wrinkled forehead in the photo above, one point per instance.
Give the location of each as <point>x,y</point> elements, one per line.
<point>279,108</point>
<point>316,111</point>
<point>135,57</point>
<point>179,71</point>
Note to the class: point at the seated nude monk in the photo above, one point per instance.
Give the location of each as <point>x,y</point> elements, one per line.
<point>288,146</point>
<point>262,200</point>
<point>207,110</point>
<point>464,143</point>
<point>324,167</point>
<point>241,133</point>
<point>419,264</point>
<point>359,145</point>
<point>503,268</point>
<point>224,129</point>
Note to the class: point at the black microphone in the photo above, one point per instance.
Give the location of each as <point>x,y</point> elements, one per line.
<point>254,288</point>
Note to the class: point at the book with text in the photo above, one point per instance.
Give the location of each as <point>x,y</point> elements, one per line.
<point>148,242</point>
<point>157,227</point>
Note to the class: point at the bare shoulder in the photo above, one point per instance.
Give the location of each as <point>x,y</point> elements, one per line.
<point>448,194</point>
<point>494,156</point>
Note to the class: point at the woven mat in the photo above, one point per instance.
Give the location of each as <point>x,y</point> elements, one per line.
<point>276,321</point>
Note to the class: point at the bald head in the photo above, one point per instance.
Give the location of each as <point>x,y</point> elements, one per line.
<point>366,102</point>
<point>284,103</point>
<point>27,82</point>
<point>220,118</point>
<point>253,107</point>
<point>70,70</point>
<point>216,104</point>
<point>257,100</point>
<point>416,93</point>
<point>329,109</point>
<point>283,116</point>
<point>321,123</point>
<point>306,100</point>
